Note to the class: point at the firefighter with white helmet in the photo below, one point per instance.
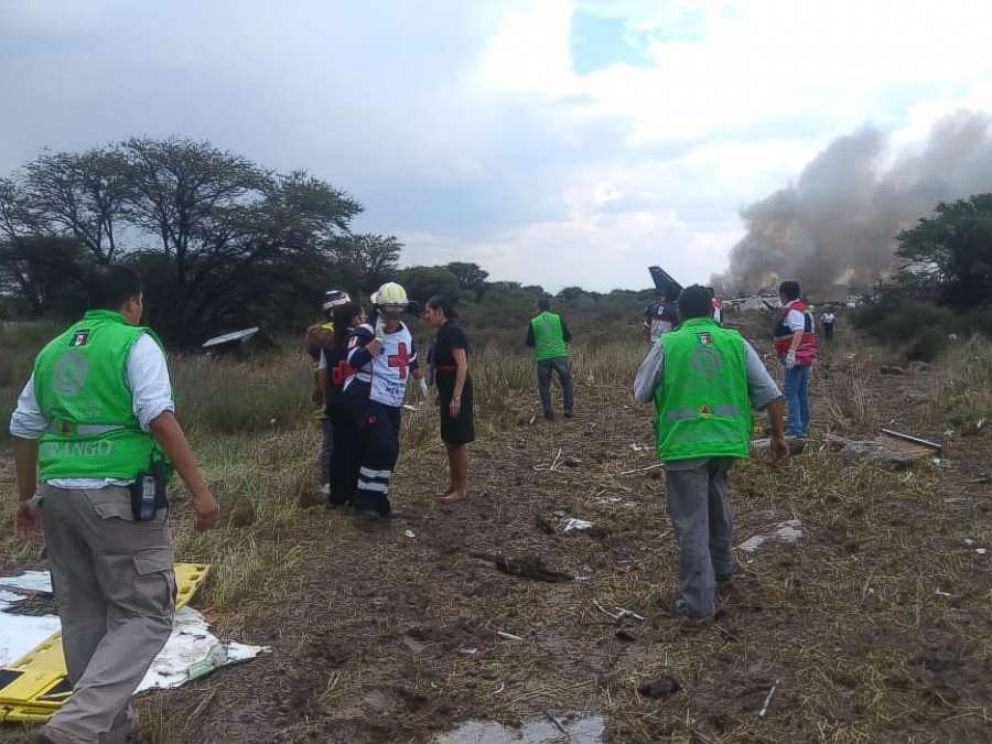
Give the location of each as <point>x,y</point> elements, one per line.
<point>381,359</point>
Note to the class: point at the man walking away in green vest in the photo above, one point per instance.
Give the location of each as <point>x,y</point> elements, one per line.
<point>95,424</point>
<point>704,380</point>
<point>548,335</point>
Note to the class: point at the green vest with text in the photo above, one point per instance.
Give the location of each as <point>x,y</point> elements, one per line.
<point>702,404</point>
<point>80,381</point>
<point>549,340</point>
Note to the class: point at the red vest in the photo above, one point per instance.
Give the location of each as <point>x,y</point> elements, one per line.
<point>806,353</point>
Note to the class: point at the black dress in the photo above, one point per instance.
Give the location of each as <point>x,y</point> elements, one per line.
<point>461,428</point>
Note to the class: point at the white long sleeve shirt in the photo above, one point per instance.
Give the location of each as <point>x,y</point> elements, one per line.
<point>151,394</point>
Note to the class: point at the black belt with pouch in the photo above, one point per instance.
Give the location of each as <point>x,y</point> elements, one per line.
<point>148,493</point>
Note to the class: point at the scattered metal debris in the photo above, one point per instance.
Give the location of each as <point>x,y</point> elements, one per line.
<point>577,525</point>
<point>768,700</point>
<point>789,532</point>
<point>229,343</point>
<point>925,443</point>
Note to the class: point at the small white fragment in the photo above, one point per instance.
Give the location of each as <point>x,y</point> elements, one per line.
<point>969,541</point>
<point>942,594</point>
<point>981,551</point>
<point>409,533</point>
<point>578,525</point>
<point>508,636</point>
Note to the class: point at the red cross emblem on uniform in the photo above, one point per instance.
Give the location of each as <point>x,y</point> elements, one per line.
<point>341,372</point>
<point>400,359</point>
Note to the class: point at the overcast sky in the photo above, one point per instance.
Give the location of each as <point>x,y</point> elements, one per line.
<point>557,142</point>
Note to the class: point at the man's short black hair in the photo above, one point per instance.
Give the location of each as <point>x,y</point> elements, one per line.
<point>790,289</point>
<point>696,302</point>
<point>670,293</point>
<point>112,286</point>
<point>543,303</point>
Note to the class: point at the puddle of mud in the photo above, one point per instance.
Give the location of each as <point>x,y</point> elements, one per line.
<point>583,729</point>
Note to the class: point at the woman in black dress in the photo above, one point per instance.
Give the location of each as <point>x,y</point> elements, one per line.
<point>454,387</point>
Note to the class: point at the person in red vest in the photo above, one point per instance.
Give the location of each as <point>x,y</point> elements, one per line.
<point>795,343</point>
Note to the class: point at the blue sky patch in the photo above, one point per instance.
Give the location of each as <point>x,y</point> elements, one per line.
<point>601,41</point>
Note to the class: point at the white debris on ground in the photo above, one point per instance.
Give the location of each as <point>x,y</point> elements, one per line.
<point>21,633</point>
<point>191,651</point>
<point>577,525</point>
<point>789,532</point>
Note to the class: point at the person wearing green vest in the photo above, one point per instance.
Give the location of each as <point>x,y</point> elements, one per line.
<point>704,381</point>
<point>548,336</point>
<point>96,425</point>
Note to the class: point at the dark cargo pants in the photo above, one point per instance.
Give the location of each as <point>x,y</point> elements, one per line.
<point>699,506</point>
<point>560,367</point>
<point>115,589</point>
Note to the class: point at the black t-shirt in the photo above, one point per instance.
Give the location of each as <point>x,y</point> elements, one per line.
<point>449,337</point>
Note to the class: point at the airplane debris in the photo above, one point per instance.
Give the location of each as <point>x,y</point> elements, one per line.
<point>529,567</point>
<point>768,700</point>
<point>788,532</point>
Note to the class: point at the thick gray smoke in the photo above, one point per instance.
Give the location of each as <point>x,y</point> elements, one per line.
<point>836,226</point>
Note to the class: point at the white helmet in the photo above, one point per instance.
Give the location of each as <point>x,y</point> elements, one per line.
<point>333,298</point>
<point>390,300</point>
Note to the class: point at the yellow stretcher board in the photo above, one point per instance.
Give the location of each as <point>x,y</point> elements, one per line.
<point>35,686</point>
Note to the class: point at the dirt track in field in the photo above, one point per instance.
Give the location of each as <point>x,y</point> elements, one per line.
<point>876,625</point>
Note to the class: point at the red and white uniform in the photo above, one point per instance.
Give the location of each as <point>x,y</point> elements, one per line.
<point>796,317</point>
<point>387,373</point>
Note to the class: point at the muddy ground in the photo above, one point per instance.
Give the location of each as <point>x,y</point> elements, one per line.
<point>876,626</point>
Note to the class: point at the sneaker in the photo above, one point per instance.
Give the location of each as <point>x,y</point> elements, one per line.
<point>568,414</point>
<point>549,416</point>
<point>687,617</point>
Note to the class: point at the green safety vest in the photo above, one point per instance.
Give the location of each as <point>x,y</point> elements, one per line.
<point>549,342</point>
<point>80,381</point>
<point>702,404</point>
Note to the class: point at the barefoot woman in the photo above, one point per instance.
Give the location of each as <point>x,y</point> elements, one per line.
<point>454,388</point>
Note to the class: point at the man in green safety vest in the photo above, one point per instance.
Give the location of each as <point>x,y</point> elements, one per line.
<point>548,336</point>
<point>95,425</point>
<point>704,380</point>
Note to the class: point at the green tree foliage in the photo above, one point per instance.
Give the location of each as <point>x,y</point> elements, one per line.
<point>81,196</point>
<point>951,252</point>
<point>471,277</point>
<point>571,294</point>
<point>220,241</point>
<point>44,274</point>
<point>368,260</point>
<point>421,282</point>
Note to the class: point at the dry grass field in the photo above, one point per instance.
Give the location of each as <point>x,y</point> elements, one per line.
<point>876,626</point>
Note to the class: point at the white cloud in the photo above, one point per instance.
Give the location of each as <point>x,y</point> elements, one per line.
<point>464,128</point>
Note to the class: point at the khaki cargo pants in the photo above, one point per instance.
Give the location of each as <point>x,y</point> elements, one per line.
<point>115,588</point>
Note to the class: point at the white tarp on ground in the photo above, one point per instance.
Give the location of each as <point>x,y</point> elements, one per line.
<point>191,651</point>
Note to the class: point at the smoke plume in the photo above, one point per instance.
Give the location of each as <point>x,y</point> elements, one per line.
<point>836,226</point>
